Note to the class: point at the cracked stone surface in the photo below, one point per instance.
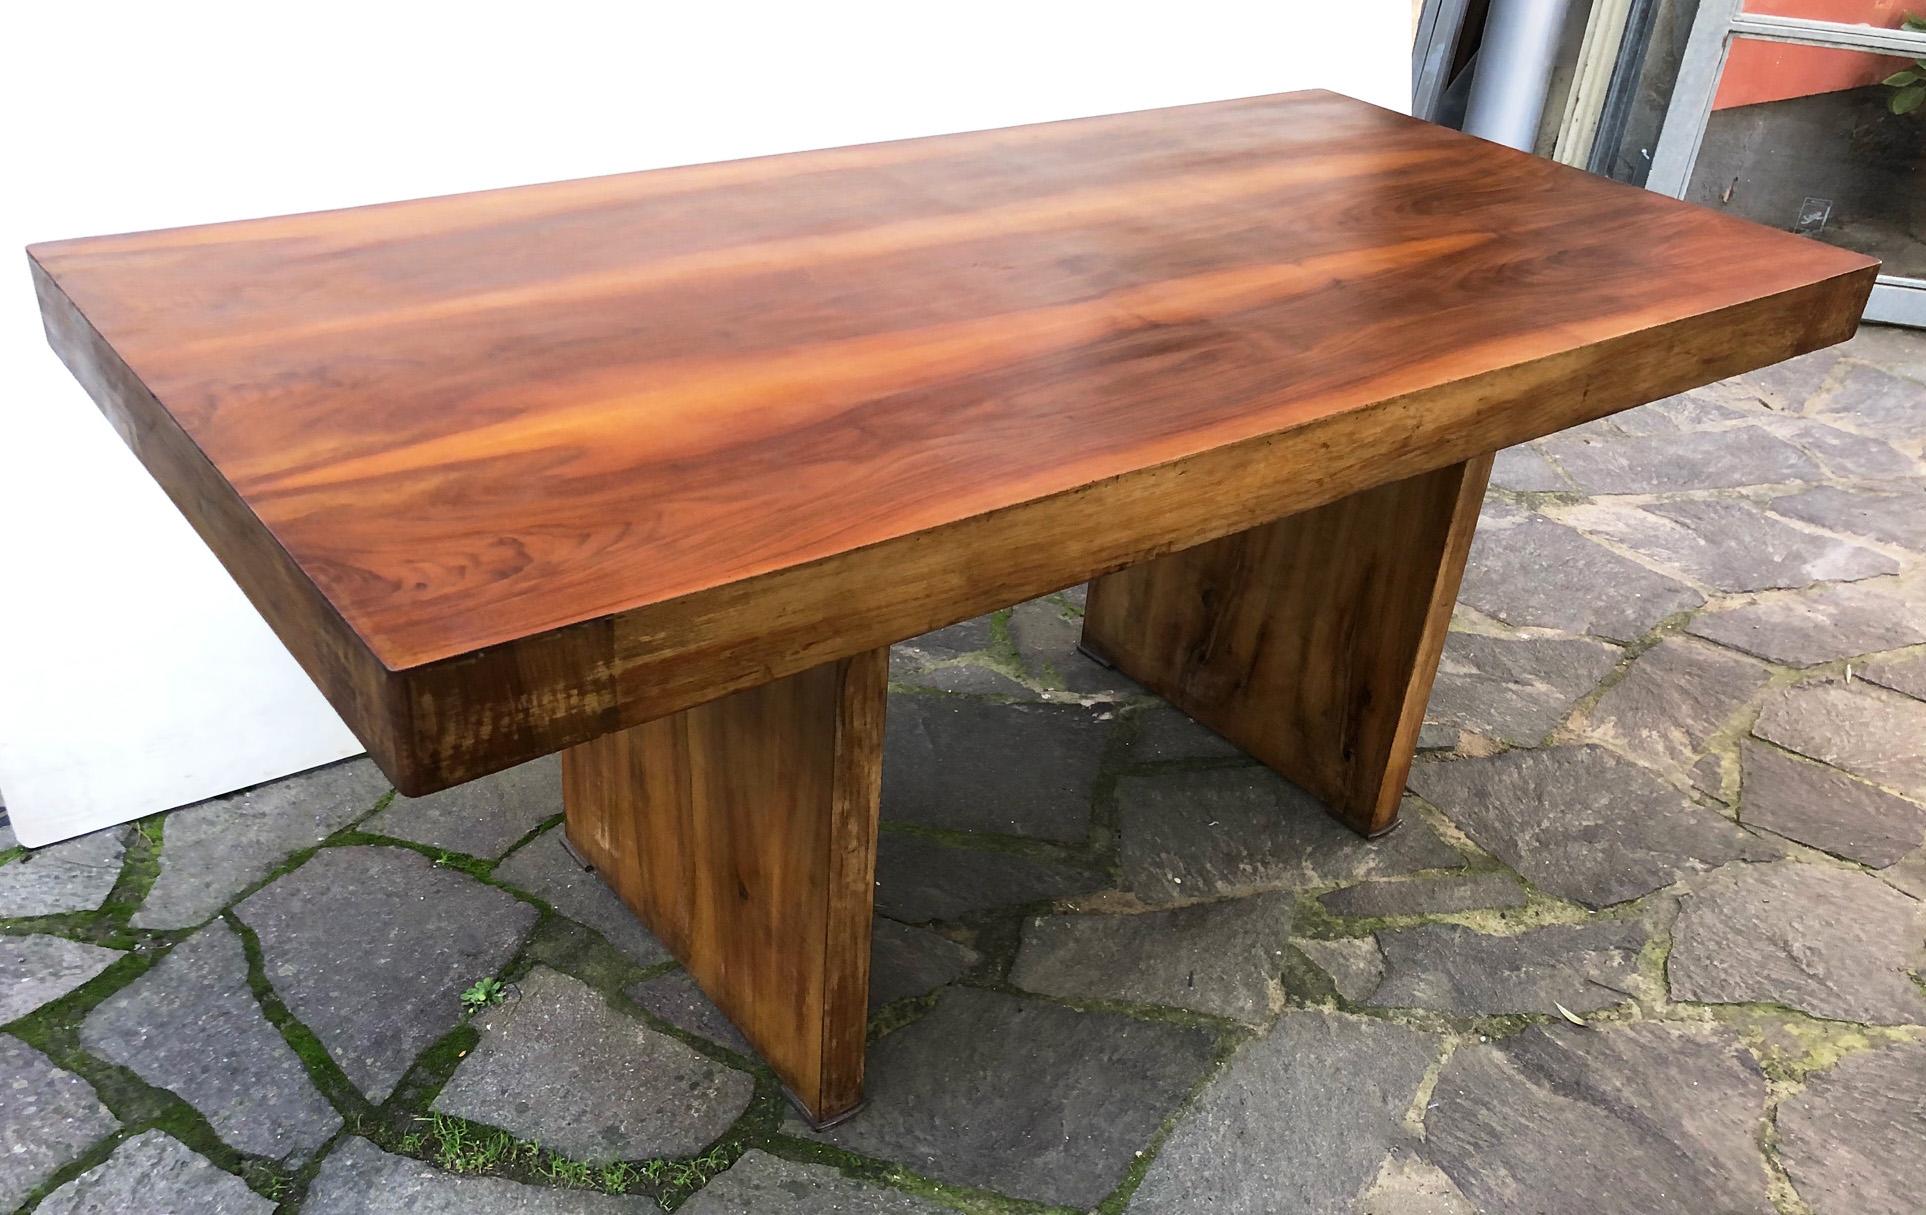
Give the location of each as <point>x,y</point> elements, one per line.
<point>1355,964</point>
<point>1582,823</point>
<point>1806,628</point>
<point>190,1025</point>
<point>1024,769</point>
<point>1826,809</point>
<point>1230,831</point>
<point>1028,1098</point>
<point>1530,571</point>
<point>1525,467</point>
<point>378,995</point>
<point>1164,734</point>
<point>1673,699</point>
<point>1046,640</point>
<point>1831,942</point>
<point>1877,401</point>
<point>1409,1185</point>
<point>1894,513</point>
<point>48,1118</point>
<point>1668,1117</point>
<point>918,879</point>
<point>1702,459</point>
<point>215,850</point>
<point>1272,1133</point>
<point>1426,896</point>
<point>1515,689</point>
<point>1844,453</point>
<point>1851,1138</point>
<point>73,875</point>
<point>38,969</point>
<point>1900,672</point>
<point>1728,544</point>
<point>359,1178</point>
<point>481,818</point>
<point>1217,958</point>
<point>557,1064</point>
<point>155,1172</point>
<point>1867,730</point>
<point>761,1184</point>
<point>543,867</point>
<point>1451,968</point>
<point>905,962</point>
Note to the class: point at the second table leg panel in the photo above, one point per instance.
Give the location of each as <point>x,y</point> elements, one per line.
<point>1310,642</point>
<point>743,833</point>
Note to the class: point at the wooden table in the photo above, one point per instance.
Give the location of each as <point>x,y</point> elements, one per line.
<point>652,469</point>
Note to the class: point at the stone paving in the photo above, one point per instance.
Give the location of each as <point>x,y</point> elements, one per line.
<point>1650,937</point>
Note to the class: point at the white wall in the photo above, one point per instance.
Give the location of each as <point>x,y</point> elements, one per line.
<point>133,676</point>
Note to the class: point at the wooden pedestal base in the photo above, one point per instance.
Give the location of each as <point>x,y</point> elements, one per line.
<point>743,833</point>
<point>1310,642</point>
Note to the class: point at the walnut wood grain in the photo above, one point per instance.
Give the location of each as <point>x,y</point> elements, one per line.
<point>513,469</point>
<point>1310,642</point>
<point>743,833</point>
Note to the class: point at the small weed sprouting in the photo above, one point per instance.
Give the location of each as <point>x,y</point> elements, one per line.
<point>483,993</point>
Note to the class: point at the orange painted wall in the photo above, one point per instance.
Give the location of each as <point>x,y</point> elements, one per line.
<point>1773,71</point>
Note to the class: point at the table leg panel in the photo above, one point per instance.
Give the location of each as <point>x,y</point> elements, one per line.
<point>743,833</point>
<point>1310,642</point>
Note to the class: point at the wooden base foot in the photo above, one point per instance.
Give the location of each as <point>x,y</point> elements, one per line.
<point>1310,642</point>
<point>743,833</point>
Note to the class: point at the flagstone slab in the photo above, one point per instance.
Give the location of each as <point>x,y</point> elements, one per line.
<point>1164,734</point>
<point>1661,463</point>
<point>1620,1120</point>
<point>544,868</point>
<point>73,875</point>
<point>907,962</point>
<point>1875,400</point>
<point>675,998</point>
<point>557,1064</point>
<point>1027,1098</point>
<point>1426,895</point>
<point>1407,1184</point>
<point>1582,823</point>
<point>1300,1120</point>
<point>1832,942</point>
<point>1894,513</point>
<point>158,1173</point>
<point>213,851</point>
<point>1454,969</point>
<point>1515,689</point>
<point>1791,384</point>
<point>1867,730</point>
<point>191,1025</point>
<point>1824,808</point>
<point>1727,544</point>
<point>1850,1140</point>
<point>919,879</point>
<point>359,1178</point>
<point>1218,958</point>
<point>481,818</point>
<point>1844,453</point>
<point>1825,623</point>
<point>1355,965</point>
<point>1525,467</point>
<point>968,765</point>
<point>1530,571</point>
<point>1900,672</point>
<point>49,1117</point>
<point>39,969</point>
<point>1233,831</point>
<point>1046,638</point>
<point>1673,700</point>
<point>761,1184</point>
<point>371,948</point>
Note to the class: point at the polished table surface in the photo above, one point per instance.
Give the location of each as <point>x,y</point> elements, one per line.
<point>476,423</point>
<point>652,469</point>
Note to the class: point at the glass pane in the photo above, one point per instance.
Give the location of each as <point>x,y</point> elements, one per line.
<point>1810,142</point>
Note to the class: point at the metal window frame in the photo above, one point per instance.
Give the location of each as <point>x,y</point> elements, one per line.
<point>1896,299</point>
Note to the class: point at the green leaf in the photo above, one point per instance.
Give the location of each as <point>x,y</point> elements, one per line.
<point>1906,100</point>
<point>1901,79</point>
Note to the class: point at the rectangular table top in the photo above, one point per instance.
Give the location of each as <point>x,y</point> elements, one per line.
<point>512,468</point>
